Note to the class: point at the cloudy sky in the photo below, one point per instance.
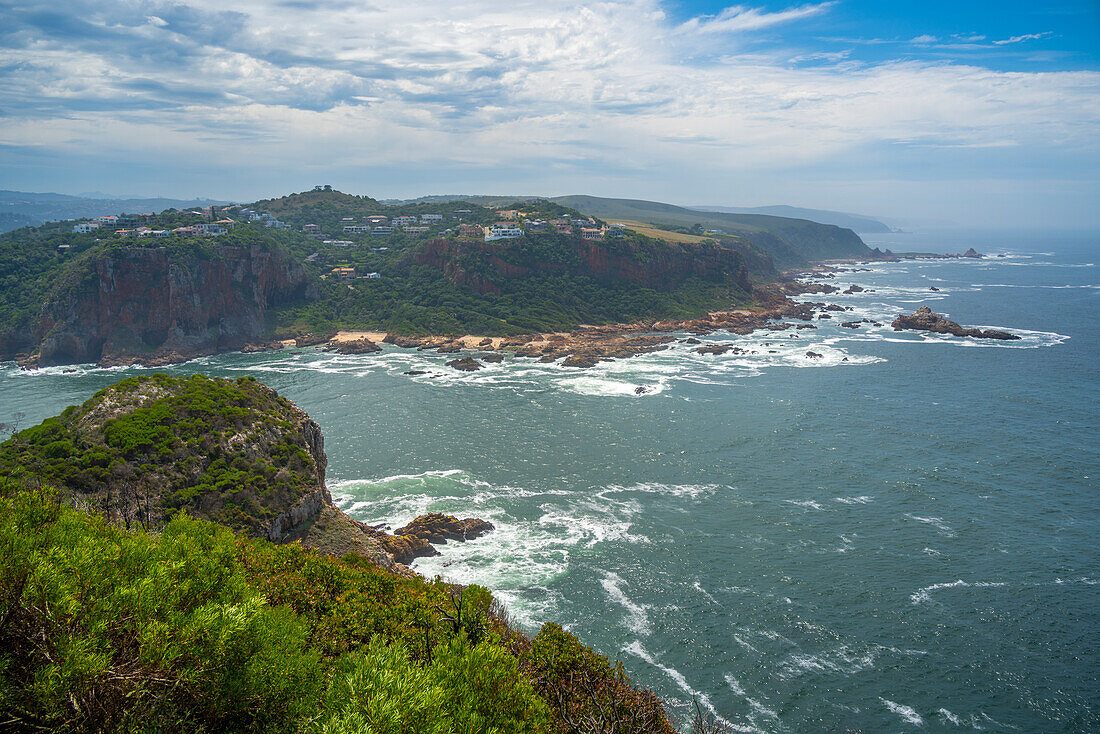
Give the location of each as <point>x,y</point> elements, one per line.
<point>972,112</point>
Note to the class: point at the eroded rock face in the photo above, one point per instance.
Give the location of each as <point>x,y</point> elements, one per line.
<point>143,306</point>
<point>924,319</point>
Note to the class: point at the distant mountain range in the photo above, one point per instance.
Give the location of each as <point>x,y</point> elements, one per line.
<point>854,222</point>
<point>25,209</point>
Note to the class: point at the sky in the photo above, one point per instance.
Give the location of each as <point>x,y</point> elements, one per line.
<point>961,112</point>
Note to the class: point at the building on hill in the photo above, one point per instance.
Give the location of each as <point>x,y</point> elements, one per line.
<point>357,229</point>
<point>591,234</point>
<point>502,232</point>
<point>382,230</point>
<point>403,220</point>
<point>377,219</point>
<point>311,228</point>
<point>85,227</point>
<point>338,243</point>
<point>414,229</point>
<point>431,218</point>
<point>344,274</point>
<point>510,214</point>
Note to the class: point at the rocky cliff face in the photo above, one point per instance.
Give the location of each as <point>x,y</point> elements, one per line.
<point>484,266</point>
<point>143,305</point>
<point>233,452</point>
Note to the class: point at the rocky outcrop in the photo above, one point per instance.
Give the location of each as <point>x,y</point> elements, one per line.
<point>416,539</point>
<point>438,528</point>
<point>926,320</point>
<point>362,345</point>
<point>466,364</point>
<point>144,305</point>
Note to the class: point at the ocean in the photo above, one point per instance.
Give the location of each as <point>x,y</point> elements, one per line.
<point>900,535</point>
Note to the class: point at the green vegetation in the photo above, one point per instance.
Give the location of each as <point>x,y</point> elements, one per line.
<point>197,629</point>
<point>468,290</point>
<point>146,448</point>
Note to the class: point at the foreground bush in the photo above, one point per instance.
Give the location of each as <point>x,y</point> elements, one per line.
<point>197,629</point>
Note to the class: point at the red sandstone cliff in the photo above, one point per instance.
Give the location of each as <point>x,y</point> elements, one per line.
<point>143,305</point>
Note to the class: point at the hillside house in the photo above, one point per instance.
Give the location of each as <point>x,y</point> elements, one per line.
<point>311,228</point>
<point>343,274</point>
<point>85,227</point>
<point>502,232</point>
<point>357,229</point>
<point>591,234</point>
<point>431,218</point>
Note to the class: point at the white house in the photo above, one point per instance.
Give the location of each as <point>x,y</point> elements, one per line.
<point>357,228</point>
<point>502,232</point>
<point>431,218</point>
<point>85,227</point>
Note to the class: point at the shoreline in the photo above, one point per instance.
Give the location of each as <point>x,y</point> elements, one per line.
<point>581,347</point>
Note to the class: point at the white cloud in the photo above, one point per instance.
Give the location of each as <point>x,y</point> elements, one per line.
<point>1025,37</point>
<point>739,18</point>
<point>611,86</point>
<point>923,40</point>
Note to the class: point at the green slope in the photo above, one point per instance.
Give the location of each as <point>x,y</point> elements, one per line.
<point>790,242</point>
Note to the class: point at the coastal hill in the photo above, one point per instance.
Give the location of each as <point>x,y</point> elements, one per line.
<point>161,288</point>
<point>130,604</point>
<point>789,242</point>
<point>855,222</point>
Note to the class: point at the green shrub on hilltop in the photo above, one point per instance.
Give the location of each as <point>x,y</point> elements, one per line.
<point>167,443</point>
<point>200,630</point>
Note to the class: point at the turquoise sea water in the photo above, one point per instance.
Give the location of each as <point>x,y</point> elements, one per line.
<point>899,536</point>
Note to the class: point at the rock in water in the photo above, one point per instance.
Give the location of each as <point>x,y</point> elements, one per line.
<point>924,319</point>
<point>362,345</point>
<point>466,364</point>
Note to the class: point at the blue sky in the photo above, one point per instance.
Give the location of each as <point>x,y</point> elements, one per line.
<point>977,113</point>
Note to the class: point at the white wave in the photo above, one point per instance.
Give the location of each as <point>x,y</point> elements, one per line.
<point>690,491</point>
<point>924,593</point>
<point>755,705</point>
<point>951,718</point>
<point>862,499</point>
<point>637,618</point>
<point>809,504</point>
<point>635,648</point>
<point>907,713</point>
<point>699,587</point>
<point>936,522</point>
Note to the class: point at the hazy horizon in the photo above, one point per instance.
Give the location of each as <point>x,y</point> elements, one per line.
<point>984,115</point>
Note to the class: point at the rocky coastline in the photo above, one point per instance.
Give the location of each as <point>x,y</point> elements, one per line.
<point>925,319</point>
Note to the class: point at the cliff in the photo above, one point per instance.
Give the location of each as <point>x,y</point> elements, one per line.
<point>148,305</point>
<point>233,452</point>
